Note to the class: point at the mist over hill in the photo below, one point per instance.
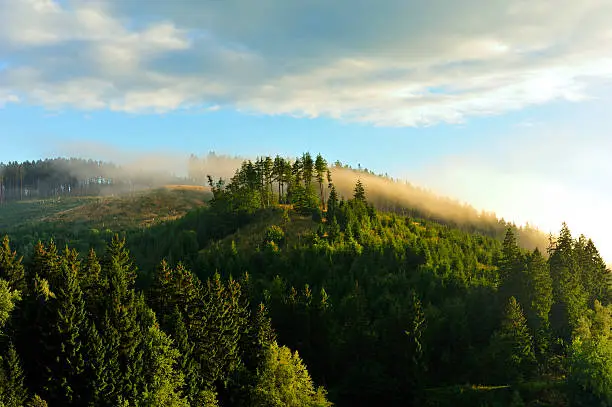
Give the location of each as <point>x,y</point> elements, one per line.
<point>85,177</point>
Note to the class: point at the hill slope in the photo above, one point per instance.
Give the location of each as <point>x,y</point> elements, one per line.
<point>84,220</point>
<point>392,308</point>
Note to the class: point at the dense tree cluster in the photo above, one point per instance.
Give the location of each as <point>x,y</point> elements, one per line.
<point>301,183</point>
<point>384,307</point>
<point>77,333</point>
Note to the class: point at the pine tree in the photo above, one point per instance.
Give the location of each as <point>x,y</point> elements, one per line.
<point>12,389</point>
<point>320,169</point>
<point>596,278</point>
<point>268,174</point>
<point>512,345</point>
<point>512,269</point>
<point>540,284</point>
<point>8,300</point>
<point>162,382</point>
<point>45,263</point>
<point>121,305</point>
<point>65,377</point>
<point>285,381</point>
<point>90,282</point>
<point>175,288</point>
<point>222,319</point>
<point>278,171</point>
<point>117,252</point>
<point>11,268</point>
<point>569,297</point>
<point>160,294</point>
<point>102,369</point>
<point>194,388</point>
<point>257,338</point>
<point>540,300</point>
<point>332,204</point>
<point>590,358</point>
<point>33,336</point>
<point>359,192</point>
<point>307,170</point>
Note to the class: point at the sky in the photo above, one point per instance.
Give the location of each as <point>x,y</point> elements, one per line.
<point>504,104</point>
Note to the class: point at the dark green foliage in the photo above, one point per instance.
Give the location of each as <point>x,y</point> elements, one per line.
<point>11,268</point>
<point>194,387</point>
<point>12,387</point>
<point>258,336</point>
<point>359,194</point>
<point>383,308</point>
<point>64,375</point>
<point>511,346</point>
<point>99,368</point>
<point>590,358</point>
<point>569,298</point>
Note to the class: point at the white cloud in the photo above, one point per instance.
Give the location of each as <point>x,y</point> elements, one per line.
<point>390,63</point>
<point>7,98</point>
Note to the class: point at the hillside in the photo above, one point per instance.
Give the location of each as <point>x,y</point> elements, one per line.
<point>384,306</point>
<point>388,195</point>
<point>84,220</point>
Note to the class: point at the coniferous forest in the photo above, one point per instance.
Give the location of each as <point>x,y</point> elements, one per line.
<point>283,291</point>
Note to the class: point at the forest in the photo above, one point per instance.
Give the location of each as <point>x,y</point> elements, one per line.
<point>71,177</point>
<point>285,290</point>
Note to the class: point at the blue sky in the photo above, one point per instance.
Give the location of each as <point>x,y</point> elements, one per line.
<point>503,104</point>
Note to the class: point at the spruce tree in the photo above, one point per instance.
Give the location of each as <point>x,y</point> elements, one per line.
<point>569,297</point>
<point>8,301</point>
<point>320,169</point>
<point>121,305</point>
<point>307,170</point>
<point>284,381</point>
<point>359,192</point>
<point>65,375</point>
<point>34,334</point>
<point>91,284</point>
<point>117,252</point>
<point>101,369</point>
<point>161,382</point>
<point>11,268</point>
<point>12,387</point>
<point>512,345</point>
<point>256,339</point>
<point>540,300</point>
<point>194,388</point>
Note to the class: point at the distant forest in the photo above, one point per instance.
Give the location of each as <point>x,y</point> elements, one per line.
<point>70,177</point>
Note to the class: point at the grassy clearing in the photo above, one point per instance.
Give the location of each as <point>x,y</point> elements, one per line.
<point>117,213</point>
<point>20,213</point>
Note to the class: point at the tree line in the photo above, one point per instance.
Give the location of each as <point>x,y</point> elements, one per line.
<point>59,177</point>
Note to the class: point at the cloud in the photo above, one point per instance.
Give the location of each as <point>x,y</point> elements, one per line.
<point>6,98</point>
<point>393,63</point>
